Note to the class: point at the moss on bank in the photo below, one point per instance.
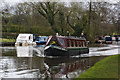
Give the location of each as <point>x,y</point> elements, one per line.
<point>106,68</point>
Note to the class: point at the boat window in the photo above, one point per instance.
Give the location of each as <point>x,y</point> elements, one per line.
<point>77,43</point>
<point>80,44</point>
<point>44,39</point>
<point>62,42</point>
<point>29,37</point>
<point>22,36</point>
<point>37,39</point>
<point>83,44</point>
<point>69,43</point>
<point>33,37</point>
<point>73,43</point>
<point>108,39</point>
<point>53,41</point>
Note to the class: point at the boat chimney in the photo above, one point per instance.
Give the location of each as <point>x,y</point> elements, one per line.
<point>56,34</point>
<point>68,34</point>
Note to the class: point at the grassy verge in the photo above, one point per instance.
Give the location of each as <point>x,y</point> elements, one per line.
<point>6,40</point>
<point>106,68</point>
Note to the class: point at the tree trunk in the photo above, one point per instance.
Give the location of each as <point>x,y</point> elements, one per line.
<point>89,23</point>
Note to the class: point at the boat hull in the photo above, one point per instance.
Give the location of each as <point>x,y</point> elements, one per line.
<point>40,43</point>
<point>57,51</point>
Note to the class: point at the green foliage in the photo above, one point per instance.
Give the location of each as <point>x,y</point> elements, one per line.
<point>6,40</point>
<point>42,30</point>
<point>81,26</point>
<point>13,28</point>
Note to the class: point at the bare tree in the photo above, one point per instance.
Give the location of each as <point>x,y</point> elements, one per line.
<point>48,10</point>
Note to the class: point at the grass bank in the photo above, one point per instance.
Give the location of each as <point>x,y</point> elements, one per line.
<point>6,40</point>
<point>106,68</point>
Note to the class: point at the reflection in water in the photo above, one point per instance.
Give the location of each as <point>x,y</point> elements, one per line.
<point>26,62</point>
<point>29,51</point>
<point>7,51</point>
<point>21,67</point>
<point>36,67</point>
<point>66,67</point>
<point>24,51</point>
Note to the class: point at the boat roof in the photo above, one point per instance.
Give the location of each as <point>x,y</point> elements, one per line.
<point>42,36</point>
<point>24,36</point>
<point>107,36</point>
<point>72,37</point>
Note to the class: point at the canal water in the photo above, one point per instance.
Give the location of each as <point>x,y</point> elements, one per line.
<point>30,62</point>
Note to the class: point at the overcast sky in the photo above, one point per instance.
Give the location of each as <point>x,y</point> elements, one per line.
<point>12,2</point>
<point>112,1</point>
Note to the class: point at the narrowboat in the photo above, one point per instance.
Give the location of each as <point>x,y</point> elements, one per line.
<point>41,40</point>
<point>65,46</point>
<point>108,40</point>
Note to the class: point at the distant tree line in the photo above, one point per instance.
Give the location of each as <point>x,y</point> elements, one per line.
<point>47,18</point>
